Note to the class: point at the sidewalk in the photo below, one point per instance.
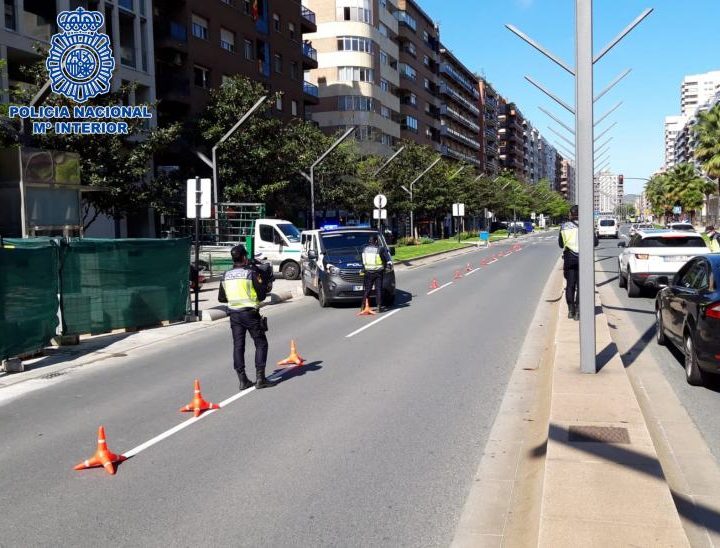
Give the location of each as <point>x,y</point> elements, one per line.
<point>603,485</point>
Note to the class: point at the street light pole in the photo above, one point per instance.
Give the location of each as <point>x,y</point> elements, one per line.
<point>311,177</point>
<point>410,192</point>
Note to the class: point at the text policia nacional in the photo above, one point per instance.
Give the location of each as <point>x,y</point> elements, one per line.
<point>82,120</point>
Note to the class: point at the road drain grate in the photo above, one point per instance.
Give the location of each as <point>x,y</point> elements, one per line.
<point>598,434</point>
<point>53,375</point>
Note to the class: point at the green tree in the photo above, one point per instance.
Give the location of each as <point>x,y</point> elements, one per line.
<point>707,132</point>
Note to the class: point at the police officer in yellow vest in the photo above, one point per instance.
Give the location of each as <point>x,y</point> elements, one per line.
<point>375,259</point>
<point>714,238</point>
<point>569,243</point>
<point>243,290</point>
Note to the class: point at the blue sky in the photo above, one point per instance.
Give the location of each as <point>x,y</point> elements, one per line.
<point>678,38</point>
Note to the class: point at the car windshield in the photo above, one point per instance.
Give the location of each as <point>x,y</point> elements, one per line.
<point>290,231</point>
<point>607,222</point>
<point>678,226</point>
<point>346,243</point>
<point>672,241</point>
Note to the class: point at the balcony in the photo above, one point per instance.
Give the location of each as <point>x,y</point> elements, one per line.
<point>447,151</point>
<point>450,92</point>
<point>311,93</point>
<point>447,110</point>
<point>309,21</point>
<point>173,88</point>
<point>309,57</point>
<point>171,35</point>
<point>449,132</point>
<point>447,69</point>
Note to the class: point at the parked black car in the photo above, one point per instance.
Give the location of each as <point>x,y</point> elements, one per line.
<point>687,314</point>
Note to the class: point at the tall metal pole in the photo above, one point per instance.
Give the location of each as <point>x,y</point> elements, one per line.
<point>584,143</point>
<point>312,197</point>
<point>196,274</point>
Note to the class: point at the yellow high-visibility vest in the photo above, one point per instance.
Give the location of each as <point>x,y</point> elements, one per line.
<point>239,289</point>
<point>714,244</point>
<point>371,258</point>
<point>569,234</point>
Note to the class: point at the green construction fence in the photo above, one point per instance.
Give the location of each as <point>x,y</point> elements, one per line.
<point>111,284</point>
<point>98,285</point>
<point>28,296</point>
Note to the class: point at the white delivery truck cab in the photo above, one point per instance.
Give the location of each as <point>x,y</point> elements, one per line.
<point>278,241</point>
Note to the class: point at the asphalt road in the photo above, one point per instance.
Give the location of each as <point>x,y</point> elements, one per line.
<point>702,403</point>
<point>373,443</point>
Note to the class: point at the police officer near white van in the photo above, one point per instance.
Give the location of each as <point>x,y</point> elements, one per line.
<point>375,260</point>
<point>243,289</point>
<point>568,240</point>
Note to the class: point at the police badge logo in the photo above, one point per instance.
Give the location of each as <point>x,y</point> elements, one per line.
<point>80,62</point>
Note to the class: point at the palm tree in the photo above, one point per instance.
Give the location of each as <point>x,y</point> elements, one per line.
<point>707,133</point>
<point>688,188</point>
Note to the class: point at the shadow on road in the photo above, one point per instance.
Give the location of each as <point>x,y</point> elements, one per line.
<point>696,512</point>
<point>639,311</point>
<point>609,280</point>
<point>298,371</point>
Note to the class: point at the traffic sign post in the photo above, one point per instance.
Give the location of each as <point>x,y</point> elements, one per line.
<point>198,207</point>
<point>459,212</point>
<point>380,213</point>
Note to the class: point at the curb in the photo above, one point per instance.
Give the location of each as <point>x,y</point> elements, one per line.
<point>214,314</point>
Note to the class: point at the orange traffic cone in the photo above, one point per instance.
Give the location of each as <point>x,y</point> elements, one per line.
<point>434,284</point>
<point>102,457</point>
<point>198,404</point>
<point>366,311</point>
<point>294,358</point>
<point>458,275</point>
<point>468,268</point>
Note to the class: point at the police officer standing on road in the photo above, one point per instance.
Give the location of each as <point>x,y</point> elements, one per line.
<point>568,240</point>
<point>243,289</point>
<point>375,260</point>
<point>714,238</point>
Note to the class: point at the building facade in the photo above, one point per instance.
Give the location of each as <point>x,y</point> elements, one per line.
<point>698,89</point>
<point>128,23</point>
<point>511,138</point>
<point>567,185</point>
<point>357,74</point>
<point>460,118</point>
<point>673,127</point>
<point>489,105</point>
<point>608,193</point>
<point>198,44</point>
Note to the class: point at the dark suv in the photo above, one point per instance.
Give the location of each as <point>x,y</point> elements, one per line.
<point>332,265</point>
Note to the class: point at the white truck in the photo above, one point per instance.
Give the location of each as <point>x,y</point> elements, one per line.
<point>278,241</point>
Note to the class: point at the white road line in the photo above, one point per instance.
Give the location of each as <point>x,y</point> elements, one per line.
<point>473,270</point>
<point>439,288</point>
<point>192,420</point>
<point>381,318</point>
<point>493,261</point>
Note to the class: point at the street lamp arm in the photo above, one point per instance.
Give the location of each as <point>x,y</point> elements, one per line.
<point>622,34</point>
<point>547,53</point>
<point>397,153</point>
<point>241,121</point>
<point>334,145</point>
<point>424,172</point>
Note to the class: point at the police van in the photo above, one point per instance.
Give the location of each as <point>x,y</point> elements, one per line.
<point>332,265</point>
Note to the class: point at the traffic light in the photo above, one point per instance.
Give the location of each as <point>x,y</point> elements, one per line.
<point>620,180</point>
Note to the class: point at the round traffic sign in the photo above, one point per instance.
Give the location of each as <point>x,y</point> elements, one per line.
<point>380,201</point>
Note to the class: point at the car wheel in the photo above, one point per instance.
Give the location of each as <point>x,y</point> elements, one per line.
<point>322,296</point>
<point>693,374</point>
<point>659,328</point>
<point>290,270</point>
<point>622,280</point>
<point>633,289</point>
<point>306,290</point>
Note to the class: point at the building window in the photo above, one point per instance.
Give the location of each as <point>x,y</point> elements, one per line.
<point>426,83</point>
<point>294,71</point>
<point>355,74</point>
<point>384,85</point>
<point>386,139</point>
<point>383,30</point>
<point>355,102</point>
<point>354,10</point>
<point>278,62</point>
<point>354,43</point>
<point>291,30</point>
<point>364,133</point>
<point>407,71</point>
<point>405,18</point>
<point>279,102</point>
<point>201,76</point>
<point>246,7</point>
<point>383,58</point>
<point>227,40</point>
<point>384,111</point>
<point>248,50</point>
<point>426,60</point>
<point>276,22</point>
<point>411,124</point>
<point>199,27</point>
<point>10,23</point>
<point>410,48</point>
<point>293,108</point>
<point>412,99</point>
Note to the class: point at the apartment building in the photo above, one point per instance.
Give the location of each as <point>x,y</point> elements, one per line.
<point>673,126</point>
<point>608,193</point>
<point>419,41</point>
<point>568,187</point>
<point>460,116</point>
<point>531,156</point>
<point>128,23</point>
<point>548,163</point>
<point>511,136</point>
<point>357,76</point>
<point>698,89</point>
<point>199,43</point>
<point>489,105</point>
